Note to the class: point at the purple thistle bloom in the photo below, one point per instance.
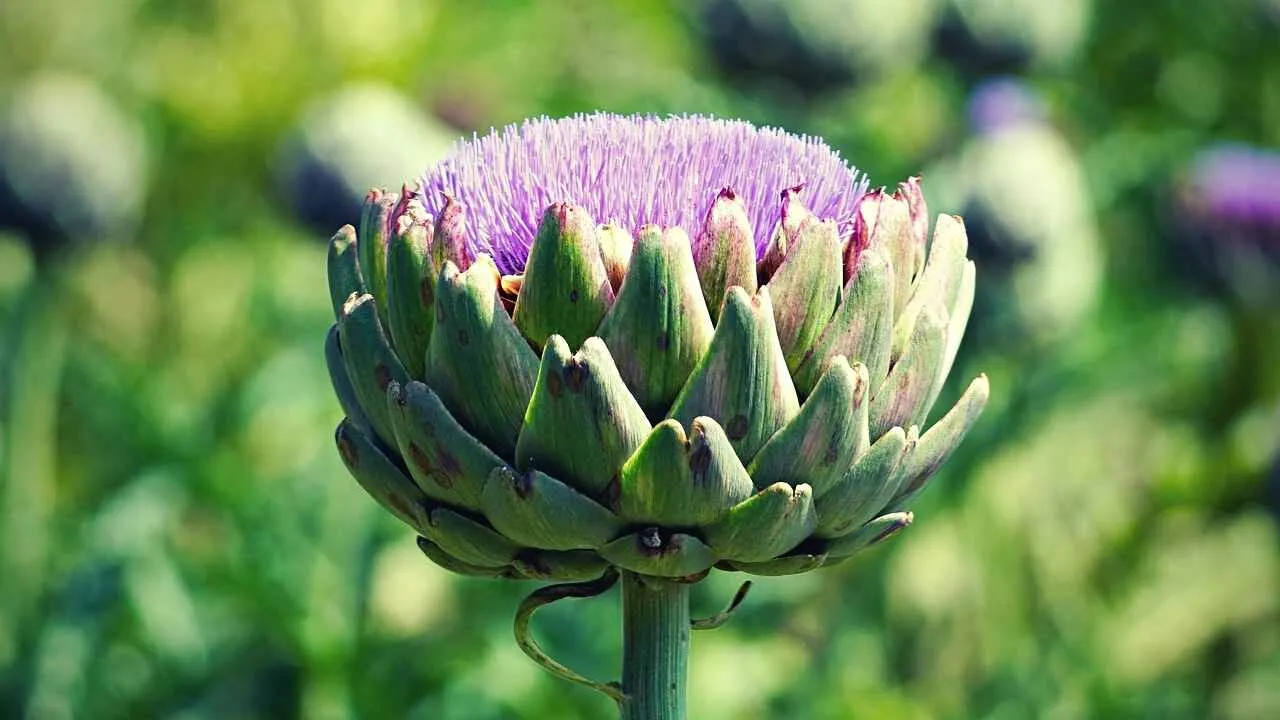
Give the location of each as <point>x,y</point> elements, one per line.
<point>1227,220</point>
<point>1236,185</point>
<point>633,170</point>
<point>1004,103</point>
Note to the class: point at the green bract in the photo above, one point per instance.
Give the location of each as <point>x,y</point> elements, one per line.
<point>647,401</point>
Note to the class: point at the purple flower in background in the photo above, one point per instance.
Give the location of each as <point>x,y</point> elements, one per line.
<point>1228,219</point>
<point>633,171</point>
<point>1004,103</point>
<point>1032,228</point>
<point>1238,186</point>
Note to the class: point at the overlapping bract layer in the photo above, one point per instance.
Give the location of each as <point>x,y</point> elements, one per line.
<point>659,404</point>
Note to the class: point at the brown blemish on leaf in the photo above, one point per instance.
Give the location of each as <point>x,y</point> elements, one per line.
<point>347,451</point>
<point>463,337</point>
<point>383,375</point>
<point>573,295</point>
<point>427,291</point>
<point>555,384</point>
<point>448,463</point>
<point>400,505</point>
<point>575,376</point>
<point>420,459</point>
<point>613,492</point>
<point>443,478</point>
<point>737,427</point>
<point>832,451</point>
<point>700,462</point>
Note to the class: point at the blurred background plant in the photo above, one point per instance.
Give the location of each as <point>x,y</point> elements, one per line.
<point>178,538</point>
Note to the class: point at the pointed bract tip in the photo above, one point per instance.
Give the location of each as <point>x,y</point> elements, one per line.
<point>726,221</point>
<point>414,217</point>
<point>982,384</point>
<point>568,218</point>
<point>910,190</point>
<point>794,212</point>
<point>355,300</point>
<point>616,245</point>
<point>345,234</point>
<point>450,239</point>
<point>896,523</point>
<point>483,263</point>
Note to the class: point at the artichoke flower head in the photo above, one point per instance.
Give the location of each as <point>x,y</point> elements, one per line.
<point>734,370</point>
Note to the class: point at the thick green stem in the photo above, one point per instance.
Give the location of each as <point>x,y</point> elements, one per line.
<point>28,448</point>
<point>655,636</point>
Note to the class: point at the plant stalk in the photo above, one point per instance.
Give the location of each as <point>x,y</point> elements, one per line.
<point>655,637</point>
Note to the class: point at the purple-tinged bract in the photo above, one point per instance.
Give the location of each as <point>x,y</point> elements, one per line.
<point>634,171</point>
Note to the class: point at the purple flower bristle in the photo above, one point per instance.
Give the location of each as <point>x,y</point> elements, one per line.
<point>634,170</point>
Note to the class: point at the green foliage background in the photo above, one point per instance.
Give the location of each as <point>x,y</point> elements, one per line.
<point>178,537</point>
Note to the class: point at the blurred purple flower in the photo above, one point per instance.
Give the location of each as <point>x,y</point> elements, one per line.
<point>633,170</point>
<point>1237,186</point>
<point>1228,220</point>
<point>1003,103</point>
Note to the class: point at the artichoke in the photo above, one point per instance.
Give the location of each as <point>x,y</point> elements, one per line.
<point>735,370</point>
<point>73,165</point>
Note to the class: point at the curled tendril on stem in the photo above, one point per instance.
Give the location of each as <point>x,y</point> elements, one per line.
<point>546,596</point>
<point>714,621</point>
